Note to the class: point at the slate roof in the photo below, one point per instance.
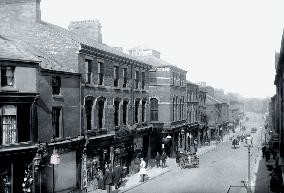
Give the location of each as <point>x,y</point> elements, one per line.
<point>157,62</point>
<point>57,47</point>
<point>211,100</point>
<point>11,50</point>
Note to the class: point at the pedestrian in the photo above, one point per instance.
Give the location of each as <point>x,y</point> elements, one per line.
<point>163,158</point>
<point>177,156</point>
<point>117,175</point>
<point>100,180</point>
<point>157,158</point>
<point>108,180</point>
<point>274,153</point>
<point>267,155</point>
<point>142,171</point>
<point>263,149</point>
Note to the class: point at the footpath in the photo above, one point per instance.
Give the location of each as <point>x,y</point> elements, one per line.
<point>132,181</point>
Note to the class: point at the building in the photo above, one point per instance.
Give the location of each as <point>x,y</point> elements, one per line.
<point>193,113</point>
<point>41,111</point>
<point>167,93</point>
<point>92,105</point>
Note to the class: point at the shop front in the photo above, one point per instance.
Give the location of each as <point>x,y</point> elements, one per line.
<point>16,171</point>
<point>97,155</point>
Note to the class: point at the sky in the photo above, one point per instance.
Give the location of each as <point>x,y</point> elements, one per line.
<point>229,44</point>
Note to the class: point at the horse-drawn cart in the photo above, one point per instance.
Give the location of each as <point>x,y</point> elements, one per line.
<point>188,160</point>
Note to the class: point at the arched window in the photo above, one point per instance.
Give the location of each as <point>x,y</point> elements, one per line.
<point>174,109</point>
<point>116,112</point>
<point>101,112</point>
<point>154,107</point>
<point>88,111</point>
<point>136,112</point>
<point>143,110</point>
<point>124,112</point>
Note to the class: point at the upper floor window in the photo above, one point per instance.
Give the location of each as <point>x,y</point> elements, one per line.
<point>125,78</point>
<point>143,80</point>
<point>154,107</point>
<point>174,78</point>
<point>116,113</point>
<point>57,122</point>
<point>56,85</point>
<point>124,112</point>
<point>115,76</point>
<point>88,111</point>
<point>7,76</point>
<point>143,110</point>
<point>100,73</point>
<point>88,71</point>
<point>136,79</point>
<point>136,112</point>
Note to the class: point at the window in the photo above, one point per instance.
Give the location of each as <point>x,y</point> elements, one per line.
<point>115,76</point>
<point>136,79</point>
<point>154,107</point>
<point>124,113</point>
<point>174,77</point>
<point>9,124</point>
<point>136,111</point>
<point>143,81</point>
<point>56,85</point>
<point>7,76</point>
<point>88,108</point>
<point>100,107</point>
<point>57,122</point>
<point>143,110</point>
<point>124,78</point>
<point>174,109</point>
<point>116,113</point>
<point>88,71</point>
<point>100,73</point>
<point>180,108</point>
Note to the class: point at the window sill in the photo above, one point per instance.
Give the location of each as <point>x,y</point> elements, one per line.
<point>9,89</point>
<point>14,145</point>
<point>57,96</point>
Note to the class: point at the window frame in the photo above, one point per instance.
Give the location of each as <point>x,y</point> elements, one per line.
<point>4,78</point>
<point>60,122</point>
<point>100,73</point>
<point>56,85</point>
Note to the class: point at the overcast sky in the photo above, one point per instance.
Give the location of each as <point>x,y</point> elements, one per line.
<point>227,44</point>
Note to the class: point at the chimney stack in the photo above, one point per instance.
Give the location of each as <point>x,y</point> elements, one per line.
<point>20,11</point>
<point>91,29</point>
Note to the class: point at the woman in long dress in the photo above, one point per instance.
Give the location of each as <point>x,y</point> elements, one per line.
<point>142,171</point>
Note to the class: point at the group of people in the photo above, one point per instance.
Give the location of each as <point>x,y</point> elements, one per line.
<point>267,151</point>
<point>159,158</point>
<point>112,177</point>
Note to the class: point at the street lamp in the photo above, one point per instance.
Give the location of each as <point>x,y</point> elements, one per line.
<point>249,140</point>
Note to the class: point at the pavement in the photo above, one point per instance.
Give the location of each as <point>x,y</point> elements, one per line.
<point>132,181</point>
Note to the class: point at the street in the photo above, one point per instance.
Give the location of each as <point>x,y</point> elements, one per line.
<point>219,169</point>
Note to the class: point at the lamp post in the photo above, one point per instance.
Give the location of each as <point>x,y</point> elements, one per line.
<point>249,180</point>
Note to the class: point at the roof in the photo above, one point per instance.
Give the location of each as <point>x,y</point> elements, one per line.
<point>12,50</point>
<point>211,100</point>
<point>56,46</point>
<point>157,62</point>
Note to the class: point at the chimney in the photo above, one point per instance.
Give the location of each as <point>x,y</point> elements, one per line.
<point>20,11</point>
<point>91,29</point>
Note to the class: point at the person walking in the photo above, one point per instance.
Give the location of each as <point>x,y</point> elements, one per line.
<point>117,175</point>
<point>108,180</point>
<point>263,149</point>
<point>267,154</point>
<point>142,171</point>
<point>157,158</point>
<point>163,158</point>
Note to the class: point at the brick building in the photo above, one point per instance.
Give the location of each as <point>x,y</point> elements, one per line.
<point>104,112</point>
<point>167,90</point>
<point>39,112</point>
<point>193,113</point>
